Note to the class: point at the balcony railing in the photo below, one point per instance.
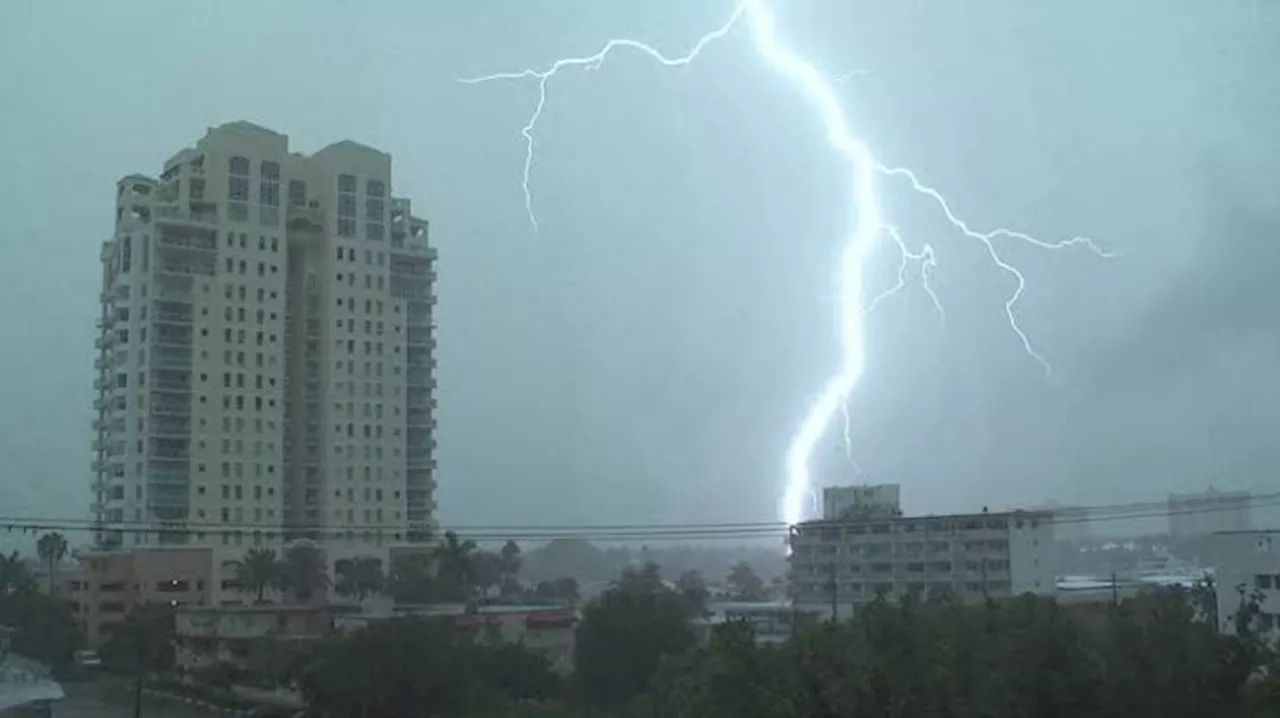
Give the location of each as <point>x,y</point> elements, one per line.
<point>172,336</point>
<point>418,417</point>
<point>202,243</point>
<point>163,317</point>
<point>171,426</point>
<point>176,213</point>
<point>170,407</point>
<point>203,269</point>
<point>171,386</point>
<point>167,478</point>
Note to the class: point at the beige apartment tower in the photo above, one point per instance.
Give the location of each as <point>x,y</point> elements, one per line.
<point>265,361</point>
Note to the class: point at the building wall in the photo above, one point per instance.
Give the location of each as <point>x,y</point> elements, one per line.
<point>1203,514</point>
<point>256,299</point>
<point>1248,561</point>
<point>108,586</point>
<point>840,502</point>
<point>972,556</point>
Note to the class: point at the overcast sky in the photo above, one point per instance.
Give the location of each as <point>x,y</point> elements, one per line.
<point>646,356</point>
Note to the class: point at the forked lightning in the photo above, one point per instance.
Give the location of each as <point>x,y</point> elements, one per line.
<point>870,228</point>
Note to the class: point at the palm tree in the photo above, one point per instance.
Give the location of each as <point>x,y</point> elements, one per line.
<point>15,575</point>
<point>359,577</point>
<point>52,548</point>
<point>303,571</point>
<point>258,571</point>
<point>455,562</point>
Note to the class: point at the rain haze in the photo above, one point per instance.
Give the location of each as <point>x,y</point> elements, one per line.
<point>647,354</point>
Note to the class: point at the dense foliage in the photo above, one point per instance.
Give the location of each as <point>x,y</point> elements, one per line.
<point>44,626</point>
<point>415,667</point>
<point>1151,656</point>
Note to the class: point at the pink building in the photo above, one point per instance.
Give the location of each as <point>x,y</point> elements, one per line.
<point>108,585</point>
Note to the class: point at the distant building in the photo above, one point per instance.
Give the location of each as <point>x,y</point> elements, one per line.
<point>1246,563</point>
<point>108,585</point>
<point>1070,523</point>
<point>972,556</point>
<point>865,501</point>
<point>772,622</point>
<point>206,636</point>
<point>1198,515</point>
<point>546,629</point>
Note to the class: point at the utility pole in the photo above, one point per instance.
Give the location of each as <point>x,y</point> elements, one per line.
<point>835,600</point>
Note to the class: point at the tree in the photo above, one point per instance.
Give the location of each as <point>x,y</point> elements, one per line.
<point>406,668</point>
<point>511,560</point>
<point>359,577</point>
<point>625,633</point>
<point>303,572</point>
<point>746,585</point>
<point>455,565</point>
<point>45,629</point>
<point>693,589</point>
<point>412,579</point>
<point>258,571</point>
<point>561,590</point>
<point>15,575</point>
<point>143,643</point>
<point>52,548</point>
<point>487,571</point>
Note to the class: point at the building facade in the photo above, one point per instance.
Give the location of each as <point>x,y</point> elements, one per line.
<point>864,501</point>
<point>1199,515</point>
<point>972,556</point>
<point>1246,565</point>
<point>266,353</point>
<point>107,586</point>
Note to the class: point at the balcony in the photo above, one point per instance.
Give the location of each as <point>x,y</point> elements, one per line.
<point>180,318</point>
<point>161,408</point>
<point>192,241</point>
<point>305,219</point>
<point>171,358</point>
<point>172,336</point>
<point>420,402</point>
<point>173,213</point>
<point>99,424</point>
<point>167,478</point>
<point>96,466</point>
<point>420,336</point>
<point>99,403</point>
<point>198,269</point>
<point>171,386</point>
<point>169,453</point>
<point>171,426</point>
<point>418,378</point>
<point>98,444</point>
<point>419,417</point>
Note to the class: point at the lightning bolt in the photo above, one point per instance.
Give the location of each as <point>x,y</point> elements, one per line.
<point>871,225</point>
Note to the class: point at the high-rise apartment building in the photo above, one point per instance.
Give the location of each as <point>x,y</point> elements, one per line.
<point>266,354</point>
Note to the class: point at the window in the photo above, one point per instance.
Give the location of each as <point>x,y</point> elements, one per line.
<point>238,189</point>
<point>297,193</point>
<point>346,206</point>
<point>238,166</point>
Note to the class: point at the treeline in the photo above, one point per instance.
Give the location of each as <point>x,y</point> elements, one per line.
<point>638,655</point>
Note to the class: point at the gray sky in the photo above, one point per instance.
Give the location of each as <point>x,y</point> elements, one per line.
<point>647,355</point>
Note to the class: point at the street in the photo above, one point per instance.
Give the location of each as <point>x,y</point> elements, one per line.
<point>104,699</point>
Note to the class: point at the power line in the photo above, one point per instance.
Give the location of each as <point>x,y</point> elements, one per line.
<point>618,532</point>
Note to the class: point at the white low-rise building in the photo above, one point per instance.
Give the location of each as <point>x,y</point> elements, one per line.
<point>851,559</point>
<point>1247,566</point>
